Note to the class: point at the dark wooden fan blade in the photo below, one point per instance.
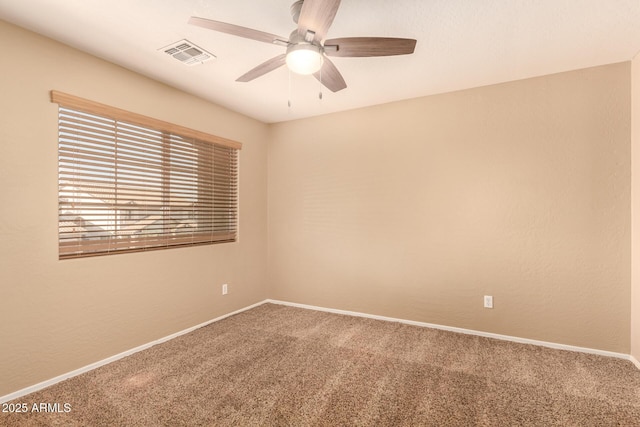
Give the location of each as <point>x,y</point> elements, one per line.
<point>317,16</point>
<point>263,68</point>
<point>369,46</point>
<point>330,77</point>
<point>235,30</point>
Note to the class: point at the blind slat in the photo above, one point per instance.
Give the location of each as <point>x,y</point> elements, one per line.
<point>104,111</point>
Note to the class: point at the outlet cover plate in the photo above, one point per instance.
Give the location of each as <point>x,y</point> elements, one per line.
<point>488,301</point>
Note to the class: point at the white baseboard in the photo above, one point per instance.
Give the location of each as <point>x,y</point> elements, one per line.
<point>52,381</point>
<point>465,331</point>
<point>92,366</point>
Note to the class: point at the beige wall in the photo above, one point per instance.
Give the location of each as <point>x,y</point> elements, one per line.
<point>57,316</point>
<point>417,209</point>
<point>635,197</point>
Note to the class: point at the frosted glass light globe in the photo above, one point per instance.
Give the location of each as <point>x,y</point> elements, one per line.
<point>304,58</point>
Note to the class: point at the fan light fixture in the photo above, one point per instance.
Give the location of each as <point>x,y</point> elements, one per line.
<point>304,58</point>
<point>308,49</point>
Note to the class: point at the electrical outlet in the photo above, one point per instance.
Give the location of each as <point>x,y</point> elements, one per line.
<point>225,289</point>
<point>488,301</point>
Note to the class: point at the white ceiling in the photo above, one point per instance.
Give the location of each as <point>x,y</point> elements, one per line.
<point>461,44</point>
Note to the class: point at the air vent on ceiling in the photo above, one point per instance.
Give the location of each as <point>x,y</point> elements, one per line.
<point>188,53</point>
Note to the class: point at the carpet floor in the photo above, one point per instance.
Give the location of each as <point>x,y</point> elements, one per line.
<point>281,366</point>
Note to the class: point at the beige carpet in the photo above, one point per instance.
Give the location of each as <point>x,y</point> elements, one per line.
<point>283,366</point>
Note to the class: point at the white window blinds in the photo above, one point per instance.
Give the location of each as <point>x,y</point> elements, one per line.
<point>132,185</point>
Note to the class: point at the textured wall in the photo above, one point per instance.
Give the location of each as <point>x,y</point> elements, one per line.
<point>635,210</point>
<point>57,316</point>
<point>417,209</point>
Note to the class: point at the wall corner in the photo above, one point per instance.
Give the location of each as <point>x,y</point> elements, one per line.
<point>635,207</point>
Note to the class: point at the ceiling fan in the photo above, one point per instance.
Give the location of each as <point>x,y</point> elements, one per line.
<point>307,50</point>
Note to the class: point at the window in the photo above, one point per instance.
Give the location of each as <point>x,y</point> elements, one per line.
<point>127,182</point>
